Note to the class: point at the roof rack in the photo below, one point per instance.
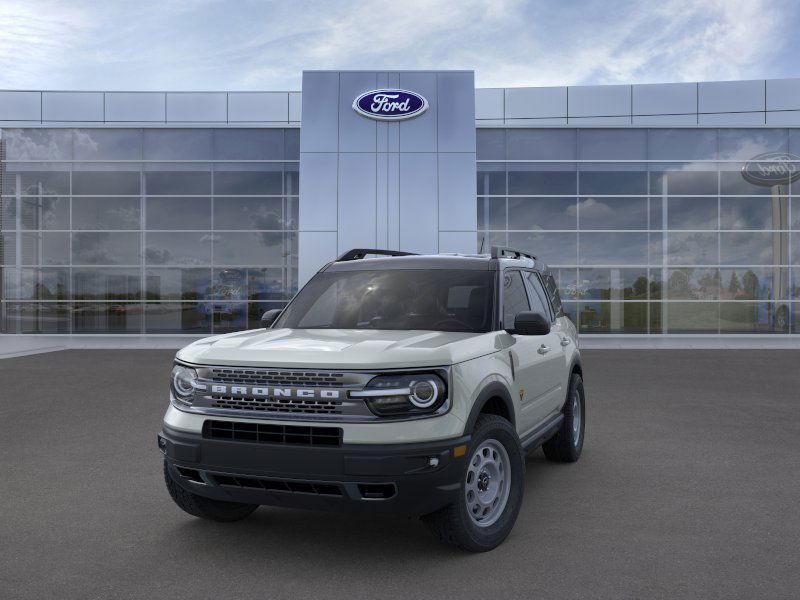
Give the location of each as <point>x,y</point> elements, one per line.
<point>359,253</point>
<point>503,251</point>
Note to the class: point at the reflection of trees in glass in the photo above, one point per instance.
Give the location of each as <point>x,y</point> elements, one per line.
<point>734,286</point>
<point>639,289</point>
<point>750,285</point>
<point>693,284</point>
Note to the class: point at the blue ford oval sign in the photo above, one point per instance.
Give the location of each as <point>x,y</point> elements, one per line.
<point>772,168</point>
<point>390,105</point>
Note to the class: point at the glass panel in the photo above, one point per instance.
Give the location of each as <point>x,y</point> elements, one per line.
<point>753,283</point>
<point>106,213</point>
<point>746,144</point>
<point>754,213</point>
<point>613,248</point>
<point>117,183</point>
<point>105,248</point>
<point>45,248</point>
<point>747,317</point>
<point>750,248</point>
<point>178,144</point>
<point>229,316</point>
<point>612,144</point>
<point>552,248</point>
<point>8,248</point>
<point>253,248</point>
<point>656,213</point>
<point>656,309</point>
<point>682,144</point>
<point>491,179</point>
<point>291,179</point>
<point>291,144</point>
<point>541,144</point>
<point>248,144</point>
<point>795,256</point>
<point>248,213</point>
<point>541,213</point>
<point>732,182</point>
<point>490,144</point>
<point>612,213</point>
<point>44,212</point>
<point>571,311</point>
<point>693,284</point>
<point>692,248</point>
<point>107,144</point>
<point>36,183</point>
<point>248,182</point>
<point>673,180</point>
<point>524,180</point>
<point>107,318</point>
<point>106,284</point>
<point>177,317</point>
<point>613,284</point>
<point>613,182</point>
<point>178,183</point>
<point>38,144</point>
<point>691,317</point>
<point>35,317</point>
<point>174,212</point>
<point>656,284</point>
<point>795,221</point>
<point>655,248</point>
<point>613,317</point>
<point>692,213</point>
<point>38,284</point>
<point>8,213</point>
<point>171,248</point>
<point>794,287</point>
<point>177,284</point>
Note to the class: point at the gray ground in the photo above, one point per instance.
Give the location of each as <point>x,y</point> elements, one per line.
<point>688,487</point>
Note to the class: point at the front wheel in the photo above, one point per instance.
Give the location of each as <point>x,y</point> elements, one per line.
<point>491,490</point>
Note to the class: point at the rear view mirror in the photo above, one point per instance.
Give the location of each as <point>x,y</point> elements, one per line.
<point>269,317</point>
<point>531,323</point>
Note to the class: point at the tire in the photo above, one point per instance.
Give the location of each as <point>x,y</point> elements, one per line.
<point>454,525</point>
<point>205,508</point>
<point>566,445</point>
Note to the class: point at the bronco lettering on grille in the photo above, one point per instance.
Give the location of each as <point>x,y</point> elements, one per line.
<point>274,392</point>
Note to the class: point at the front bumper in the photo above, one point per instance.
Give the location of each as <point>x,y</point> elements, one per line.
<point>409,479</point>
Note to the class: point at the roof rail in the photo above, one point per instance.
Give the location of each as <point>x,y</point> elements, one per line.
<point>359,253</point>
<point>502,251</point>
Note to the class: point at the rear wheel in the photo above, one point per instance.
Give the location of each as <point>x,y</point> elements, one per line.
<point>566,445</point>
<point>491,490</point>
<point>205,508</point>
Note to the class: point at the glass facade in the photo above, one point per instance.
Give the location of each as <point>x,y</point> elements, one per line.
<point>650,230</point>
<point>146,230</point>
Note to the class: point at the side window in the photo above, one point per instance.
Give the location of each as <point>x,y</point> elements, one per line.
<point>538,298</point>
<point>515,298</point>
<point>555,297</point>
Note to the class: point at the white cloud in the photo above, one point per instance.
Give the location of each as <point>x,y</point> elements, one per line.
<point>213,44</point>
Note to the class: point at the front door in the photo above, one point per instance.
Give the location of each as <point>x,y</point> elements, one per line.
<point>534,357</point>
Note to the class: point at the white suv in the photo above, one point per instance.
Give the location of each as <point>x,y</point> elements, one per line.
<point>405,384</point>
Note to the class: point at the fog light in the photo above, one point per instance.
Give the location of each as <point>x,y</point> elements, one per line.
<point>433,461</point>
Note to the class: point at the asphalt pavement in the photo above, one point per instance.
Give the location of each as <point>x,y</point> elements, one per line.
<point>688,487</point>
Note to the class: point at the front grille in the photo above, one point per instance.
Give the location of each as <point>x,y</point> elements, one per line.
<point>273,434</point>
<point>279,485</point>
<point>281,405</point>
<point>271,377</point>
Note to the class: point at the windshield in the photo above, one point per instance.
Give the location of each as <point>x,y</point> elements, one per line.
<point>438,300</point>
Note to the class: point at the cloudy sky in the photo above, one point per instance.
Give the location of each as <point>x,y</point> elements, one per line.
<point>252,45</point>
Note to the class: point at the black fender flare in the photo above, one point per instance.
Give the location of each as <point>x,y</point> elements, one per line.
<point>576,362</point>
<point>494,389</point>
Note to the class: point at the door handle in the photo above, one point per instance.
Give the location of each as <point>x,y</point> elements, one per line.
<point>565,341</point>
<point>543,349</point>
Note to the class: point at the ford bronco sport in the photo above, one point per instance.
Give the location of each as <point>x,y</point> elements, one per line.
<point>402,383</point>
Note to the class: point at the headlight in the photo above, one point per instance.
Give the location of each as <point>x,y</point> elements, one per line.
<point>404,395</point>
<point>183,380</point>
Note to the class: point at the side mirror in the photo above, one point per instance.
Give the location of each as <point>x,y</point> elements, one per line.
<point>268,318</point>
<point>531,323</point>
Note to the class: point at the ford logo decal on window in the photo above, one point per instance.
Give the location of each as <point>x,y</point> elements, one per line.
<point>390,105</point>
<point>772,168</point>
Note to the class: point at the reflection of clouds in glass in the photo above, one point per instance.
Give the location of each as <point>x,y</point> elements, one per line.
<point>27,144</point>
<point>692,248</point>
<point>84,143</point>
<point>751,248</point>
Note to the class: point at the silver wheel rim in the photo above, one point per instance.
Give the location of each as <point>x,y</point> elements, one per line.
<point>487,483</point>
<point>576,419</point>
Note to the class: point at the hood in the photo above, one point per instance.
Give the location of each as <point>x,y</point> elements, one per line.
<point>340,348</point>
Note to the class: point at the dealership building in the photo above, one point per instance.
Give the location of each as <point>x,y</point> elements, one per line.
<point>663,209</point>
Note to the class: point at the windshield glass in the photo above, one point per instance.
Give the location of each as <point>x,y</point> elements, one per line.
<point>438,300</point>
